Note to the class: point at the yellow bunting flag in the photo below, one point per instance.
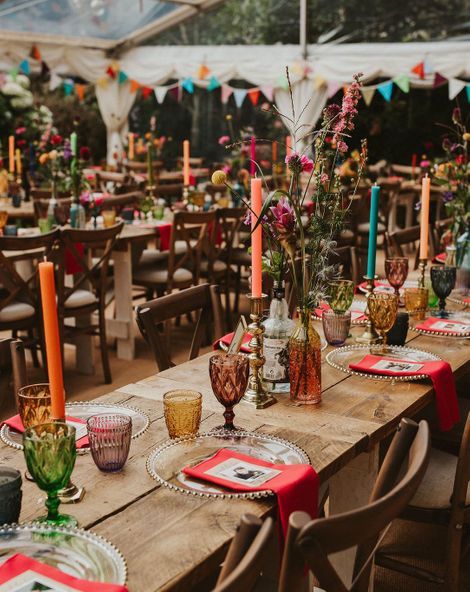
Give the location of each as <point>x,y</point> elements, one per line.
<point>102,82</point>
<point>319,81</point>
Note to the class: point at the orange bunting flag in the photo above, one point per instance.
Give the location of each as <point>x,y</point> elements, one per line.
<point>80,91</point>
<point>146,92</point>
<point>419,70</point>
<point>134,86</point>
<point>203,72</point>
<point>35,53</point>
<point>253,95</point>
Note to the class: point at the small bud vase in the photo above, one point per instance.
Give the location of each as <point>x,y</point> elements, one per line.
<point>305,362</point>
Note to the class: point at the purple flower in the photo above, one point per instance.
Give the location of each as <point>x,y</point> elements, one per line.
<point>284,217</point>
<point>224,140</point>
<point>247,220</point>
<point>418,206</point>
<point>67,150</point>
<point>299,164</point>
<point>447,196</point>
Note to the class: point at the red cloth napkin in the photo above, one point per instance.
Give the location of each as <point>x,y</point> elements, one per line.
<point>296,486</point>
<point>164,231</point>
<point>16,424</point>
<point>444,325</point>
<point>383,287</point>
<point>20,570</point>
<point>227,340</point>
<point>73,266</point>
<point>439,372</point>
<point>356,315</point>
<point>441,258</point>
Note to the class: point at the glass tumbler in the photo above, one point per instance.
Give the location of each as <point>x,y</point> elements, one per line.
<point>182,409</point>
<point>336,326</point>
<point>341,295</point>
<point>416,302</point>
<point>34,404</point>
<point>109,218</point>
<point>110,439</point>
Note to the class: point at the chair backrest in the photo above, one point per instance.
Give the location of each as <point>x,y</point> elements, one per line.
<point>61,210</point>
<point>15,286</point>
<point>246,556</point>
<point>203,298</point>
<point>459,504</point>
<point>141,167</point>
<point>166,190</point>
<point>6,400</point>
<point>47,193</point>
<point>229,221</point>
<point>361,527</point>
<point>395,241</point>
<point>78,245</point>
<point>346,259</point>
<point>111,181</point>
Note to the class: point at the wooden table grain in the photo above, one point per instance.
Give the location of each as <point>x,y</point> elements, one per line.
<point>173,541</point>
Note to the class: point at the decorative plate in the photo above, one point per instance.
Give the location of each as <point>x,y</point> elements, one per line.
<point>77,552</point>
<point>341,357</point>
<point>84,410</point>
<point>166,462</point>
<point>459,299</point>
<point>383,286</point>
<point>454,316</point>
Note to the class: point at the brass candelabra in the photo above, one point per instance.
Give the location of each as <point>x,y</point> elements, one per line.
<point>422,272</point>
<point>369,336</point>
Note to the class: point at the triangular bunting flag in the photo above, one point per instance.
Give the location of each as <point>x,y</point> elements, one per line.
<point>160,93</point>
<point>419,70</point>
<point>455,86</point>
<point>68,87</point>
<point>333,88</point>
<point>55,81</point>
<point>386,90</point>
<point>35,54</point>
<point>203,72</point>
<point>175,92</point>
<point>439,80</point>
<point>403,82</point>
<point>253,95</point>
<point>102,82</point>
<point>428,67</point>
<point>282,82</point>
<point>80,91</point>
<point>239,95</point>
<point>45,71</point>
<point>267,92</point>
<point>213,83</point>
<point>226,92</point>
<point>188,85</point>
<point>122,77</point>
<point>13,73</point>
<point>111,72</point>
<point>467,90</point>
<point>319,81</point>
<point>24,67</point>
<point>146,92</point>
<point>134,86</point>
<point>368,93</point>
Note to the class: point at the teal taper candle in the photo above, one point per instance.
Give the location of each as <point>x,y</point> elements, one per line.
<point>374,216</point>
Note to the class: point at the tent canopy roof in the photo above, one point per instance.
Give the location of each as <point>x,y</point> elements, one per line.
<point>102,24</point>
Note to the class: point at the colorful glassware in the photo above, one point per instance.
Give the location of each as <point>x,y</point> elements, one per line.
<point>182,409</point>
<point>383,310</point>
<point>34,404</point>
<point>443,280</point>
<point>416,302</point>
<point>110,440</point>
<point>305,362</point>
<point>336,326</point>
<point>341,294</point>
<point>396,271</point>
<point>229,378</point>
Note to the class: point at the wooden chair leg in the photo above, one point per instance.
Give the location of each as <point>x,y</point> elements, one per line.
<point>104,347</point>
<point>34,352</point>
<point>453,554</point>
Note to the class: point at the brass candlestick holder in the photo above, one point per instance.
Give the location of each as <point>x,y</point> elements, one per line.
<point>186,194</point>
<point>369,336</point>
<point>256,394</point>
<point>422,272</point>
<point>70,494</point>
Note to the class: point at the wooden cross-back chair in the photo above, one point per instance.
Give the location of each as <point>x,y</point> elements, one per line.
<point>61,210</point>
<point>438,230</point>
<point>87,294</point>
<point>7,407</point>
<point>19,294</point>
<point>203,298</point>
<point>396,241</point>
<point>114,182</point>
<point>346,260</point>
<point>313,541</point>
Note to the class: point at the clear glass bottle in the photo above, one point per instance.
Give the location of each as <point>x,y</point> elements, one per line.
<point>278,328</point>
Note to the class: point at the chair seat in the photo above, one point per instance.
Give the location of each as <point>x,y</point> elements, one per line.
<point>436,488</point>
<point>152,257</point>
<point>241,257</point>
<point>160,276</point>
<point>363,228</point>
<point>346,238</point>
<point>217,267</point>
<point>16,311</point>
<point>80,298</point>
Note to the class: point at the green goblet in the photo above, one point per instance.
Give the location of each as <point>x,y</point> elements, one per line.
<point>341,295</point>
<point>50,453</point>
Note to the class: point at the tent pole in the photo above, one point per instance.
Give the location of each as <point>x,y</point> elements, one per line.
<point>303,28</point>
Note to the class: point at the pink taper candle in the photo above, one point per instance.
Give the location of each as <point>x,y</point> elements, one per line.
<point>253,156</point>
<point>256,239</point>
<point>186,162</point>
<point>424,218</point>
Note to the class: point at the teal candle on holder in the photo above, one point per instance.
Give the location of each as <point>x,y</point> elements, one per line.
<point>374,217</point>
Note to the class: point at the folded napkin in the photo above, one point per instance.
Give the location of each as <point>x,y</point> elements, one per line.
<point>227,340</point>
<point>72,265</point>
<point>445,325</point>
<point>356,315</point>
<point>296,486</point>
<point>23,573</point>
<point>439,372</point>
<point>441,258</point>
<point>16,424</point>
<point>164,231</point>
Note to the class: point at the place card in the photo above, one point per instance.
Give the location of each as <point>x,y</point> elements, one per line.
<point>241,472</point>
<point>454,326</point>
<point>398,367</point>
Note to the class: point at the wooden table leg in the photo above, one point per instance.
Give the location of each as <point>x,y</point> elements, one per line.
<point>124,320</point>
<point>350,488</point>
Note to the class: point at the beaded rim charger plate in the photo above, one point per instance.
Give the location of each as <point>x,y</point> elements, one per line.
<point>84,410</point>
<point>166,463</point>
<point>77,552</point>
<point>462,316</point>
<point>341,357</point>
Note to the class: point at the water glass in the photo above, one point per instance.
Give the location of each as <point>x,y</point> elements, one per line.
<point>336,326</point>
<point>341,294</point>
<point>109,218</point>
<point>416,302</point>
<point>443,280</point>
<point>383,310</point>
<point>10,495</point>
<point>34,404</point>
<point>110,439</point>
<point>45,225</point>
<point>229,378</point>
<point>182,409</point>
<point>396,271</point>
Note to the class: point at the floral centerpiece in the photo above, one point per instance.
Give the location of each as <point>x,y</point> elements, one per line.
<point>301,245</point>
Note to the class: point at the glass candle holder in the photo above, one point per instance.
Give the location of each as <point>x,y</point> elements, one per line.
<point>110,439</point>
<point>229,378</point>
<point>416,302</point>
<point>396,271</point>
<point>182,409</point>
<point>443,280</point>
<point>10,495</point>
<point>34,404</point>
<point>336,326</point>
<point>341,295</point>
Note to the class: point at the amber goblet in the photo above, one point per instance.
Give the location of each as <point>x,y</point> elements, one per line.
<point>229,379</point>
<point>383,310</point>
<point>396,270</point>
<point>34,404</point>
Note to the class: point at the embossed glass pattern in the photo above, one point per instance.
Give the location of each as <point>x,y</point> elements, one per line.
<point>443,280</point>
<point>110,440</point>
<point>305,362</point>
<point>341,295</point>
<point>383,310</point>
<point>34,404</point>
<point>336,326</point>
<point>182,409</point>
<point>396,271</point>
<point>416,302</point>
<point>229,378</point>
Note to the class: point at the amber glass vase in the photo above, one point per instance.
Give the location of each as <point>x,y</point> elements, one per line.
<point>305,362</point>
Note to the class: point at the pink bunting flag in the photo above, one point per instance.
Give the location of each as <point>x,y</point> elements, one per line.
<point>226,92</point>
<point>267,92</point>
<point>333,88</point>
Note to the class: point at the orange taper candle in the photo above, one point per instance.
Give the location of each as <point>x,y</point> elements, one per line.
<point>256,239</point>
<point>52,339</point>
<point>130,150</point>
<point>424,218</point>
<point>11,154</point>
<point>274,152</point>
<point>186,163</point>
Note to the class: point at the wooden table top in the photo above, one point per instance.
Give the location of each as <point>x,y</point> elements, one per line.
<point>173,541</point>
<point>26,209</point>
